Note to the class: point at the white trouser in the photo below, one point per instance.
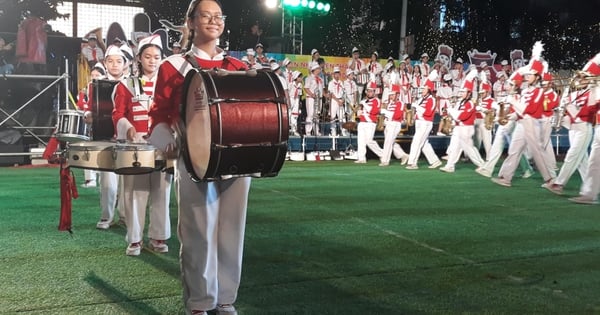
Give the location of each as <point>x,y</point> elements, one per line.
<point>591,184</point>
<point>546,144</point>
<point>525,136</point>
<point>335,111</point>
<point>155,186</point>
<point>421,143</point>
<point>464,142</point>
<point>90,175</point>
<point>212,218</point>
<point>110,187</point>
<point>482,136</point>
<point>580,137</point>
<point>501,138</point>
<point>392,128</point>
<point>294,111</point>
<point>311,116</point>
<point>365,133</point>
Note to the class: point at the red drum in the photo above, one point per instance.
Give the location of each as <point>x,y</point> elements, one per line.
<point>102,107</point>
<point>235,124</point>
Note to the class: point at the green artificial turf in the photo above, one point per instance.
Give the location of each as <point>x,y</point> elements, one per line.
<point>328,237</point>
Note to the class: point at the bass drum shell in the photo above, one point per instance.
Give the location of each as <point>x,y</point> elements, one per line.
<point>235,125</point>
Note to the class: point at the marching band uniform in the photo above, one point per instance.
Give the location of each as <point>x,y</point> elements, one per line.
<point>336,105</point>
<point>367,125</point>
<point>550,102</point>
<point>212,215</point>
<point>501,86</point>
<point>425,68</point>
<point>375,69</point>
<point>394,115</point>
<point>359,67</point>
<point>260,56</point>
<point>295,95</point>
<point>350,89</point>
<point>390,77</point>
<point>313,87</point>
<point>404,79</point>
<point>110,182</point>
<point>482,134</point>
<point>581,112</point>
<point>527,131</point>
<point>424,113</point>
<point>132,99</point>
<point>464,117</point>
<point>444,93</point>
<point>458,74</point>
<point>590,188</point>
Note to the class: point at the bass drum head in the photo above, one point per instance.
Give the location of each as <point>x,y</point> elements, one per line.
<point>196,116</point>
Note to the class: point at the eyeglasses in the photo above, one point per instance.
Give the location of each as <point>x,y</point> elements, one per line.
<point>207,18</point>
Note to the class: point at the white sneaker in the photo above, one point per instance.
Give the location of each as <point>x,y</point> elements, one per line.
<point>436,164</point>
<point>483,172</point>
<point>134,249</point>
<point>360,162</point>
<point>159,246</point>
<point>584,200</point>
<point>502,182</point>
<point>384,164</point>
<point>412,167</point>
<point>447,169</point>
<point>103,225</point>
<point>527,174</point>
<point>226,309</point>
<point>404,160</point>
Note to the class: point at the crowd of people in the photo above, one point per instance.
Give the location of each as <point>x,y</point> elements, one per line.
<point>519,108</point>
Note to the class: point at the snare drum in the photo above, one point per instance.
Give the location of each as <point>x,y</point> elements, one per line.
<point>235,124</point>
<point>71,126</point>
<point>134,158</point>
<point>94,155</point>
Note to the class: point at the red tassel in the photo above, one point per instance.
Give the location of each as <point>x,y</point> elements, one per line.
<point>66,189</point>
<point>50,148</point>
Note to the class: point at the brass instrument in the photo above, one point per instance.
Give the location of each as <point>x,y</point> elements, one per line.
<point>447,124</point>
<point>503,113</point>
<point>381,118</point>
<point>560,111</point>
<point>488,119</point>
<point>409,116</point>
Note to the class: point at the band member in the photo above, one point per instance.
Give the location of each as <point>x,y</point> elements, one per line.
<point>506,68</point>
<point>253,63</point>
<point>581,113</point>
<point>464,119</point>
<point>212,215</point>
<point>527,134</point>
<point>130,116</point>
<point>425,68</point>
<point>375,70</point>
<point>404,79</point>
<point>394,115</point>
<point>443,95</point>
<point>590,187</point>
<point>313,89</point>
<point>501,86</point>
<point>116,63</point>
<point>425,111</point>
<point>314,58</point>
<point>389,77</point>
<point>295,95</point>
<point>483,135</point>
<point>359,67</point>
<point>368,114</point>
<point>83,104</point>
<point>92,51</point>
<point>458,74</point>
<point>550,103</point>
<point>260,56</point>
<point>336,105</point>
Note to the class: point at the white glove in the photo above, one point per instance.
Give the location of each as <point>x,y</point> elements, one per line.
<point>512,116</point>
<point>420,110</point>
<point>162,137</point>
<point>454,113</point>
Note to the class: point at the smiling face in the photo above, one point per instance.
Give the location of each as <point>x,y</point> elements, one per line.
<point>206,21</point>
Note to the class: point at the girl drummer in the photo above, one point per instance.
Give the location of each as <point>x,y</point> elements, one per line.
<point>212,215</point>
<point>130,116</point>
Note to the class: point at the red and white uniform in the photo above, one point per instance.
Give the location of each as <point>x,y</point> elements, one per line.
<point>582,113</point>
<point>462,134</point>
<point>131,99</point>
<point>526,135</point>
<point>590,187</point>
<point>394,116</point>
<point>424,113</point>
<point>366,128</point>
<point>482,134</point>
<point>212,215</point>
<point>295,95</point>
<point>405,91</point>
<point>336,106</point>
<point>357,65</point>
<point>315,85</point>
<point>550,101</point>
<point>92,54</point>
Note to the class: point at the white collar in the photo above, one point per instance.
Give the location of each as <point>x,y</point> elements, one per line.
<point>204,55</point>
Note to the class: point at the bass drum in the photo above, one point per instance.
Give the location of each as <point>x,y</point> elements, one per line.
<point>102,107</point>
<point>235,124</point>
